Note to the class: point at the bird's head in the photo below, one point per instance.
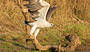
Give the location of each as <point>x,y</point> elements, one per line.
<point>52,25</point>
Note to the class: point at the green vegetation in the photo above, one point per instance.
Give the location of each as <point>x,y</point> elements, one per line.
<point>82,30</point>
<point>71,17</point>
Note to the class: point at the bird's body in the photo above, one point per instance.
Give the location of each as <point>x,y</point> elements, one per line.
<point>41,24</point>
<point>41,21</point>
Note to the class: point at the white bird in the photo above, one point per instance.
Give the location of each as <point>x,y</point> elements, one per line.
<point>38,10</point>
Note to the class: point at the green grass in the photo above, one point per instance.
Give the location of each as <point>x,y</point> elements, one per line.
<point>12,31</point>
<point>10,43</point>
<point>17,41</point>
<point>82,30</point>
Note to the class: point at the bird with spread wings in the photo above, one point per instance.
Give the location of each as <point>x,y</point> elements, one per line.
<point>40,11</point>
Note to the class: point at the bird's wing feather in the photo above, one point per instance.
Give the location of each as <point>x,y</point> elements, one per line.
<point>38,8</point>
<point>51,11</point>
<point>34,5</point>
<point>43,11</point>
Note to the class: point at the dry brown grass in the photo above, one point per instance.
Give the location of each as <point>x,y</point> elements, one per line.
<point>71,16</point>
<point>68,12</point>
<point>11,17</point>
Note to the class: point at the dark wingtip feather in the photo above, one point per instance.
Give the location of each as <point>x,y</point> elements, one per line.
<point>27,22</point>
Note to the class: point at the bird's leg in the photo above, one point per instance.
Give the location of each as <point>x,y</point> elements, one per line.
<point>32,31</point>
<point>36,32</point>
<point>31,36</point>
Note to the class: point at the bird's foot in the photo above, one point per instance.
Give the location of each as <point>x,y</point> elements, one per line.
<point>31,37</point>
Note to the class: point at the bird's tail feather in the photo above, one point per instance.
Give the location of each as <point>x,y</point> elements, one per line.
<point>27,22</point>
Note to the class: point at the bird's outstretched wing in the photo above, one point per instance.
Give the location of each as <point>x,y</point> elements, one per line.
<point>51,11</point>
<point>43,11</point>
<point>38,9</point>
<point>34,5</point>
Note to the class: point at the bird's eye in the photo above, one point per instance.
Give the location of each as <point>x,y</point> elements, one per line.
<point>52,24</point>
